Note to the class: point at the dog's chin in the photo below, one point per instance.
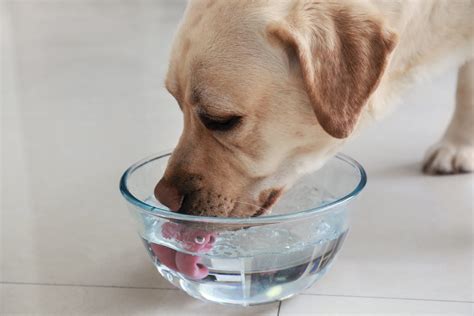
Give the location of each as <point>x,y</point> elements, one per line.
<point>259,207</point>
<point>267,199</point>
<point>217,205</point>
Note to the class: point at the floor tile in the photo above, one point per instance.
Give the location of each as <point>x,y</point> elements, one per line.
<point>64,300</point>
<point>412,234</point>
<point>325,305</point>
<point>84,99</point>
<point>79,110</point>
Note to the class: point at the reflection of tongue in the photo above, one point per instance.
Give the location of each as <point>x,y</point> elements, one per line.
<point>186,264</point>
<point>190,266</point>
<point>165,255</point>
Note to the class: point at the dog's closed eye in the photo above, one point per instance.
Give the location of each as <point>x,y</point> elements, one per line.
<point>221,124</point>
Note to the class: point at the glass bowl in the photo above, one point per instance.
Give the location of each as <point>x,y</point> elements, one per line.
<point>247,261</point>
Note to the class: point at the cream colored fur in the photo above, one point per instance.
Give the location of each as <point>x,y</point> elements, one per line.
<point>227,50</point>
<point>433,36</point>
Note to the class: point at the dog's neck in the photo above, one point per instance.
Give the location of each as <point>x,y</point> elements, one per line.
<point>419,53</point>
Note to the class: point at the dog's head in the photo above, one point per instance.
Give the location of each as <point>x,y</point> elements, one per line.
<point>269,90</point>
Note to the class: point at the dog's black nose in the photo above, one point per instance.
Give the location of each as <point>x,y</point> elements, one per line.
<point>169,195</point>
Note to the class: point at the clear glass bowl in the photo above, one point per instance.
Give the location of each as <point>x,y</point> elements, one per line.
<point>247,261</point>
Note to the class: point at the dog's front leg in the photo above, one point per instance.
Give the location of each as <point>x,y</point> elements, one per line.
<point>455,152</point>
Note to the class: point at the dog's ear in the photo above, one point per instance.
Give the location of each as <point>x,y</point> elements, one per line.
<point>342,53</point>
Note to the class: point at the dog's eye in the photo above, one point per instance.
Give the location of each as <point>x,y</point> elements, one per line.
<point>220,124</point>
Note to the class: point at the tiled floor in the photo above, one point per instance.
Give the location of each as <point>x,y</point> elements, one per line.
<point>83,98</point>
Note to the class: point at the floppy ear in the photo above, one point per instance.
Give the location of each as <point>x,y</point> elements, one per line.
<point>342,52</point>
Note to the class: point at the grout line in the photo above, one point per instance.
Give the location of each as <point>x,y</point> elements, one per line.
<point>92,285</point>
<point>279,307</point>
<point>388,298</point>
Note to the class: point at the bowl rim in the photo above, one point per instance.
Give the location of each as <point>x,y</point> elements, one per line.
<point>270,219</point>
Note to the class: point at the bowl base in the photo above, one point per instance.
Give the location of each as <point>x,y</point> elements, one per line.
<point>237,293</point>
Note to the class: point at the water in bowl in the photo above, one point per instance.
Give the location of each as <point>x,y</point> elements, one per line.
<point>255,265</point>
<point>240,281</point>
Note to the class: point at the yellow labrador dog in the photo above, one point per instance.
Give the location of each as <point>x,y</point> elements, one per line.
<point>271,89</point>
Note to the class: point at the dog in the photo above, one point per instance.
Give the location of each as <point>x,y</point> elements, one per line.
<point>271,89</point>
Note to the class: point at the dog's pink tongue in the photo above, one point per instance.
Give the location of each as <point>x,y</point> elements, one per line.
<point>192,240</point>
<point>186,264</point>
<point>165,255</point>
<point>190,266</point>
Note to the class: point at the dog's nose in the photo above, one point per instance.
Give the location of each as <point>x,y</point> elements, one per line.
<point>169,195</point>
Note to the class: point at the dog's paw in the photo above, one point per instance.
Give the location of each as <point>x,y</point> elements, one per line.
<point>447,158</point>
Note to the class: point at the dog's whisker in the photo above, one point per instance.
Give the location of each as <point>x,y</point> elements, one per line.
<point>246,203</point>
<point>259,209</point>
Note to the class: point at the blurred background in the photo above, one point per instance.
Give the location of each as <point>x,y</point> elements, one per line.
<point>82,98</point>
